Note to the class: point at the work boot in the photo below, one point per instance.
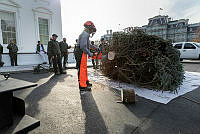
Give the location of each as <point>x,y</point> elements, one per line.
<point>1,64</point>
<point>56,73</point>
<point>88,84</point>
<point>84,88</point>
<point>63,72</point>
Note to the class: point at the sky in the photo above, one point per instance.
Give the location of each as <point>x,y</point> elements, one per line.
<point>119,14</point>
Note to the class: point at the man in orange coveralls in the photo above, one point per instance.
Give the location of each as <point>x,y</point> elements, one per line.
<point>82,50</point>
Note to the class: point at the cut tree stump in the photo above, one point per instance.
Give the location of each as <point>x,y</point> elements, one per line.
<point>128,96</point>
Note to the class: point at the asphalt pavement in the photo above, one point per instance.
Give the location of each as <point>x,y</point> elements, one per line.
<point>62,109</point>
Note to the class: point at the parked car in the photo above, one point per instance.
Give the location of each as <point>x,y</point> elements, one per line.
<point>188,50</point>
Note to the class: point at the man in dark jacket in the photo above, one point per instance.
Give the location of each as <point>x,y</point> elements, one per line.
<point>1,52</point>
<point>13,49</point>
<point>64,51</point>
<point>75,52</point>
<point>54,53</point>
<point>94,57</point>
<point>49,58</point>
<point>40,50</point>
<point>102,46</point>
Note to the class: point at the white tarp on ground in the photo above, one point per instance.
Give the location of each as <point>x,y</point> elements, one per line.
<point>191,82</point>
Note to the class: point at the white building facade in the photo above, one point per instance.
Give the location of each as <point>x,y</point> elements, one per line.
<point>26,22</point>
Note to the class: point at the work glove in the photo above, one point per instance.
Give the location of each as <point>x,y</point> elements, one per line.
<point>90,54</point>
<point>98,49</point>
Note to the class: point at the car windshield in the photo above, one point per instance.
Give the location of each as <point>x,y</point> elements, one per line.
<point>197,44</point>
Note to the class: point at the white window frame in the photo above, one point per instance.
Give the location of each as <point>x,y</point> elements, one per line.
<point>44,14</point>
<point>48,27</point>
<point>1,33</point>
<point>13,9</point>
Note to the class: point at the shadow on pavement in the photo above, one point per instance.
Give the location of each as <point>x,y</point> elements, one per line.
<point>94,122</point>
<point>30,77</point>
<point>143,107</point>
<point>178,116</point>
<point>40,92</point>
<point>130,129</point>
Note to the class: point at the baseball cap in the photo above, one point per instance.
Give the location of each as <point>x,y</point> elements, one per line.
<point>55,35</point>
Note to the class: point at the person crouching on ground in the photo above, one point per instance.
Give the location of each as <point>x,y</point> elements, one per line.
<point>82,52</point>
<point>40,50</point>
<point>54,53</point>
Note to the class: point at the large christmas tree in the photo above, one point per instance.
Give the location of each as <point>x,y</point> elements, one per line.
<point>144,60</point>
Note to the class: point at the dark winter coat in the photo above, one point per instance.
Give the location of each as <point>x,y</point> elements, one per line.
<point>1,49</point>
<point>102,48</point>
<point>53,48</point>
<point>64,47</point>
<point>13,49</point>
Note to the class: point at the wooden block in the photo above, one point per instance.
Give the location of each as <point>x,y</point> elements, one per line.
<point>128,96</point>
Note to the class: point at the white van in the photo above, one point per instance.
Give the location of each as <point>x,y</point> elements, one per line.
<point>188,50</point>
